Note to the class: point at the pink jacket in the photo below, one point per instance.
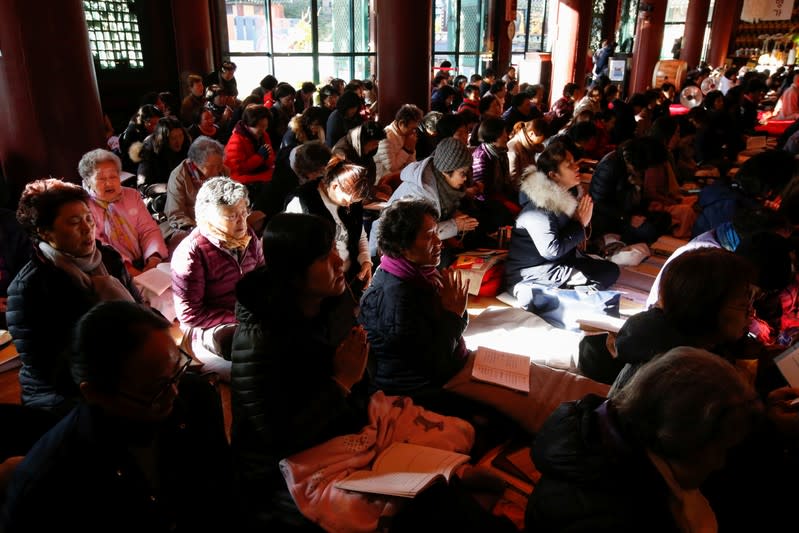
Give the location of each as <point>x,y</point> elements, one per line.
<point>204,277</point>
<point>132,206</point>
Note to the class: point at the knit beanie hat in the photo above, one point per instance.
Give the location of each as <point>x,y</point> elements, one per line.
<point>451,154</point>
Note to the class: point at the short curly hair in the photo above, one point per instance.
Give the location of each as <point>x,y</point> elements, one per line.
<point>216,192</point>
<point>42,200</point>
<point>87,166</point>
<point>401,222</point>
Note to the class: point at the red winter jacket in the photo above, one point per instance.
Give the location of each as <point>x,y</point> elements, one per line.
<point>245,159</point>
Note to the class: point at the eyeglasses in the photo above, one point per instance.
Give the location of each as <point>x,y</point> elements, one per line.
<point>238,215</point>
<point>185,362</point>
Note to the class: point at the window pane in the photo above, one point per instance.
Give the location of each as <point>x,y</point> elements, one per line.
<point>438,58</point>
<point>671,32</point>
<point>363,67</point>
<point>472,21</point>
<point>112,47</point>
<point>521,27</point>
<point>334,67</point>
<point>676,10</point>
<point>468,66</point>
<point>361,29</point>
<point>291,26</point>
<point>538,13</point>
<point>246,27</point>
<point>334,26</point>
<point>294,70</point>
<point>250,70</point>
<point>445,25</point>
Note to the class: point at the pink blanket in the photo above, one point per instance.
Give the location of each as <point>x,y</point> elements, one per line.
<point>310,474</point>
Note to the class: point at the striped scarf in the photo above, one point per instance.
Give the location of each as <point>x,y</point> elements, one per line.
<point>118,229</point>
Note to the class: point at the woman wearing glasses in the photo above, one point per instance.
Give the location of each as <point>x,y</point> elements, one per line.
<point>705,300</point>
<point>68,274</point>
<point>338,196</point>
<point>128,457</point>
<point>206,266</point>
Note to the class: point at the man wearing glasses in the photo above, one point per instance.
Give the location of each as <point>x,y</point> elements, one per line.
<point>144,446</point>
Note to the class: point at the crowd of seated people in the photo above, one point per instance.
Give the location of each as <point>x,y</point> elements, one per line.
<point>278,292</point>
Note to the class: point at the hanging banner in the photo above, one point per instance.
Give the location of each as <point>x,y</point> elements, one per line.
<point>755,10</point>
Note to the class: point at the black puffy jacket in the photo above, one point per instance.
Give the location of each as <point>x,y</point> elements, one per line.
<point>413,340</point>
<point>44,305</point>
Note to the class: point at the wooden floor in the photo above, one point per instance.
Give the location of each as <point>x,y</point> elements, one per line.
<point>9,386</point>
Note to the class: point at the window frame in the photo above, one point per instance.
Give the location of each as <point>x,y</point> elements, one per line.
<point>314,54</point>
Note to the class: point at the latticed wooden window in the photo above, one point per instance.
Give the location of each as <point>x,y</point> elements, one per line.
<point>114,33</point>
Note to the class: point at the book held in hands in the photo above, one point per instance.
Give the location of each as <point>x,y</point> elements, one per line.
<point>404,470</point>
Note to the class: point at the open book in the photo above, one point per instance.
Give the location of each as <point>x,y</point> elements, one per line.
<point>158,279</point>
<point>9,358</point>
<point>501,368</point>
<point>788,363</point>
<point>404,470</point>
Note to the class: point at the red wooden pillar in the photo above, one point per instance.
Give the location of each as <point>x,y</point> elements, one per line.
<point>405,42</point>
<point>724,18</point>
<point>48,91</point>
<point>694,34</point>
<point>504,15</point>
<point>570,46</point>
<point>648,39</point>
<point>191,21</point>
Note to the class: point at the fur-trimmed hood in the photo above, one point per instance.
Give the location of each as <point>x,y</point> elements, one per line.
<point>546,194</point>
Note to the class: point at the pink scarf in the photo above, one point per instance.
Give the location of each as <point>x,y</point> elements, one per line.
<point>420,276</point>
<point>118,229</point>
<point>408,271</point>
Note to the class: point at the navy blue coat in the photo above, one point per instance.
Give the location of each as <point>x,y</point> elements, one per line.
<point>413,340</point>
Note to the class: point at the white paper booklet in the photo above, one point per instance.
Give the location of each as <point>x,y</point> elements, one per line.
<point>404,470</point>
<point>788,363</point>
<point>501,368</point>
<point>156,279</point>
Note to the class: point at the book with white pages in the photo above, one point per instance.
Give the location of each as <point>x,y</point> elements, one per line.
<point>502,368</point>
<point>404,470</point>
<point>788,363</point>
<point>157,280</point>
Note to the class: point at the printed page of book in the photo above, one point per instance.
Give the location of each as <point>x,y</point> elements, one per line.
<point>403,484</point>
<point>155,280</point>
<point>404,457</point>
<point>788,363</point>
<point>501,368</point>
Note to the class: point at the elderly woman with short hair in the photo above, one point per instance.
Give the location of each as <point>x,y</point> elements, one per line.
<point>204,161</point>
<point>414,315</point>
<point>121,219</point>
<point>69,273</point>
<point>206,266</point>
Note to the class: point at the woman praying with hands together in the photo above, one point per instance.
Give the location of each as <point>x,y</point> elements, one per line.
<point>414,314</point>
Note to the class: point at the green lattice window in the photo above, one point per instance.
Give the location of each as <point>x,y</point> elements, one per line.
<point>114,33</point>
